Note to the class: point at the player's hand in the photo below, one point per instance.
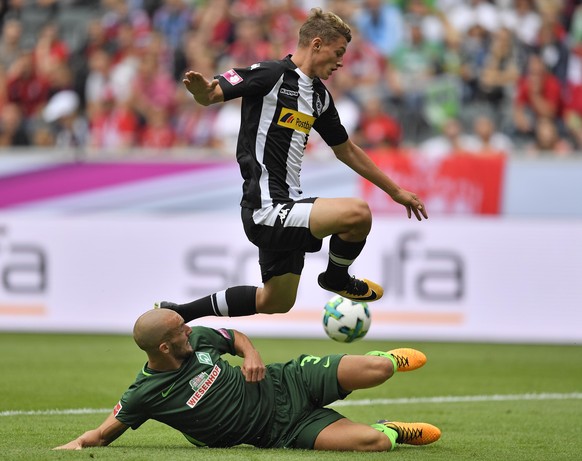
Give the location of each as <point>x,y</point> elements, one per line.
<point>199,87</point>
<point>412,203</point>
<point>253,368</point>
<point>72,445</point>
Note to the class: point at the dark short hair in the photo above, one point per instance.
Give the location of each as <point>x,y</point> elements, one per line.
<point>327,26</point>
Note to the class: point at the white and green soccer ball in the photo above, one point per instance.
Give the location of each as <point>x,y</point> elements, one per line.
<point>345,320</point>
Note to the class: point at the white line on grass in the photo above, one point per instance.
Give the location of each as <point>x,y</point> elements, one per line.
<point>345,403</point>
<point>460,399</point>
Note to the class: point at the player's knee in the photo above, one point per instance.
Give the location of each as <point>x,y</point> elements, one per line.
<point>381,367</point>
<point>374,441</point>
<point>360,216</point>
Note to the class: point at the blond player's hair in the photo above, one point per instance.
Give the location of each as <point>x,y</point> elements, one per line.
<point>327,26</point>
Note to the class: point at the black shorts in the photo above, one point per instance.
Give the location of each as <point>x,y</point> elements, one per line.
<point>282,234</point>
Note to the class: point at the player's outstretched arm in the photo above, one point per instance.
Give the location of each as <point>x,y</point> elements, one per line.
<point>355,157</point>
<point>106,433</point>
<point>253,367</point>
<point>205,92</point>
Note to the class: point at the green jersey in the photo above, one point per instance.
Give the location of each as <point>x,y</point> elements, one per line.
<point>209,401</point>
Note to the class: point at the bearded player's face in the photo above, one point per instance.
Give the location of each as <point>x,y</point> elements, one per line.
<point>178,343</point>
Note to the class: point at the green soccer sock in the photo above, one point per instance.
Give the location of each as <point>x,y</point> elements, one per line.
<point>388,432</point>
<point>387,355</point>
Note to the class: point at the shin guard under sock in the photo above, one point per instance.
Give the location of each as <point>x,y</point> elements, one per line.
<point>341,255</point>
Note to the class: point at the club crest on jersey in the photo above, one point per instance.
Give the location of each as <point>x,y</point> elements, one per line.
<point>318,106</point>
<point>204,357</point>
<point>297,121</point>
<point>232,77</point>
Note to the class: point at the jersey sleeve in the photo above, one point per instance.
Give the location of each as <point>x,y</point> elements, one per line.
<point>255,80</point>
<point>221,339</point>
<point>128,410</point>
<point>329,126</point>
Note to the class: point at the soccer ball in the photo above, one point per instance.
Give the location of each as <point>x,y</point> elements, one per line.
<point>345,320</point>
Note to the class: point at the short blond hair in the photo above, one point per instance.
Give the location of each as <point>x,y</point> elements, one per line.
<point>327,26</point>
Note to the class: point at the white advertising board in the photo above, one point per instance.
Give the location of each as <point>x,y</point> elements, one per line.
<point>476,279</point>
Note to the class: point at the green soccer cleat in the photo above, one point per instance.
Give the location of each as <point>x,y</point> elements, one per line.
<point>362,290</point>
<point>408,359</point>
<point>413,433</point>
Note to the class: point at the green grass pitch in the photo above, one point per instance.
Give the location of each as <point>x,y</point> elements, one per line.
<point>492,401</point>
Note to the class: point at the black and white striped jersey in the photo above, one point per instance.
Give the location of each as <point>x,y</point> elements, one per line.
<point>280,105</point>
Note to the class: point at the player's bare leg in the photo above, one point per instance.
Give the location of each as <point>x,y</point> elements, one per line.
<point>346,435</point>
<point>376,367</point>
<point>278,294</point>
<point>370,370</point>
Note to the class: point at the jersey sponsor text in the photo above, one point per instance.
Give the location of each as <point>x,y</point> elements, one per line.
<point>205,387</point>
<point>298,121</point>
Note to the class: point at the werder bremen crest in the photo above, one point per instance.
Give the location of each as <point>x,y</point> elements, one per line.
<point>204,357</point>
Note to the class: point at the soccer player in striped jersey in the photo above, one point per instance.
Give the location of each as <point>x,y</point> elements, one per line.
<point>282,100</point>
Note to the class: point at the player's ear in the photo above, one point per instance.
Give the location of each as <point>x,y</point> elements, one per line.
<point>164,348</point>
<point>316,44</point>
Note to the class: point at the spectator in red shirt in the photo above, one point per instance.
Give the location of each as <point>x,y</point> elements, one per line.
<point>25,86</point>
<point>250,44</point>
<point>158,132</point>
<point>50,50</point>
<point>113,125</point>
<point>573,113</point>
<point>152,86</point>
<point>538,95</point>
<point>377,129</point>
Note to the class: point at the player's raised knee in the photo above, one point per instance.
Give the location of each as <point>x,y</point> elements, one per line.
<point>361,211</point>
<point>358,217</point>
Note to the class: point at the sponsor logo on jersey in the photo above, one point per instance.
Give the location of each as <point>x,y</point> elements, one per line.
<point>197,380</point>
<point>283,214</point>
<point>224,333</point>
<point>297,121</point>
<point>206,383</point>
<point>254,66</point>
<point>117,408</point>
<point>204,357</point>
<point>232,77</point>
<point>289,92</point>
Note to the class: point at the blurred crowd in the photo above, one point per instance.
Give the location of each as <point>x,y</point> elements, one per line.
<point>434,77</point>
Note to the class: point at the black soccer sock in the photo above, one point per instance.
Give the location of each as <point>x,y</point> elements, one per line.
<point>232,302</point>
<point>341,255</point>
<point>241,301</point>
